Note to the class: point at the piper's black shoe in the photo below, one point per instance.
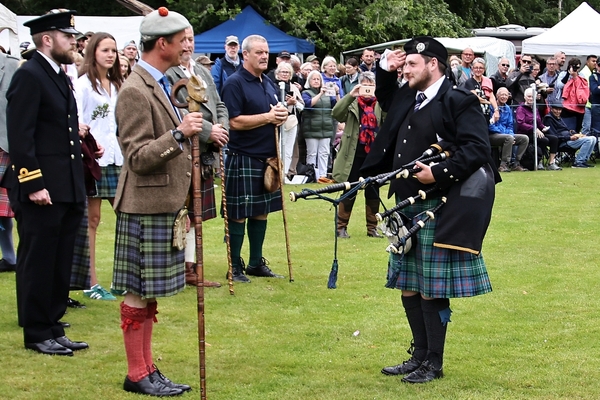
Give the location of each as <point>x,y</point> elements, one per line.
<point>408,366</point>
<point>49,346</point>
<point>425,373</point>
<point>157,376</point>
<point>6,267</point>
<point>262,270</point>
<point>64,324</point>
<point>74,303</point>
<point>237,274</point>
<point>66,342</point>
<point>146,386</point>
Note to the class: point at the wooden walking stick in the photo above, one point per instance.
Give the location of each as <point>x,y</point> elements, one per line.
<point>281,180</point>
<point>226,218</point>
<point>196,95</point>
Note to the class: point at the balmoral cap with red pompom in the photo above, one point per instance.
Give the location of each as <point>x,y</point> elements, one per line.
<point>162,22</point>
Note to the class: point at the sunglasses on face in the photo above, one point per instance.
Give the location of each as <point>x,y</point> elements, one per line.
<point>505,65</point>
<point>526,61</point>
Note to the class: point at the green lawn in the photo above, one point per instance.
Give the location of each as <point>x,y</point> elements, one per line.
<point>534,337</point>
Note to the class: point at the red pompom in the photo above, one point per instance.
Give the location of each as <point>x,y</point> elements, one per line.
<point>163,11</point>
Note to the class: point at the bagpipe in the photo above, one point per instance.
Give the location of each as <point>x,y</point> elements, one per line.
<point>392,223</point>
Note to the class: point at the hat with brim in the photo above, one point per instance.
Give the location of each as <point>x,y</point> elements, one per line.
<point>55,20</point>
<point>312,58</point>
<point>556,105</point>
<point>427,46</point>
<point>161,23</point>
<point>26,55</point>
<point>204,60</point>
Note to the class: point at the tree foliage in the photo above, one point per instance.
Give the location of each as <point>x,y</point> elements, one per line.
<point>334,26</point>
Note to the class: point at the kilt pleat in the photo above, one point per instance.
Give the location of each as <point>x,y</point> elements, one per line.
<point>146,263</point>
<point>80,269</point>
<point>438,272</point>
<point>244,186</point>
<point>107,185</point>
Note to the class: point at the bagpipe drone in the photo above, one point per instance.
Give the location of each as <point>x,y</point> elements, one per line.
<point>392,223</point>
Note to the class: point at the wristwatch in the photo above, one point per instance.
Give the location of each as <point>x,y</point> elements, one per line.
<point>178,135</point>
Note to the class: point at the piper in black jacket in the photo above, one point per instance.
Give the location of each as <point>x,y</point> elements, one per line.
<point>446,261</point>
<point>45,182</point>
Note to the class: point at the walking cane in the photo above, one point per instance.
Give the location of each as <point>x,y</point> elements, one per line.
<point>226,218</point>
<point>281,179</point>
<point>196,95</point>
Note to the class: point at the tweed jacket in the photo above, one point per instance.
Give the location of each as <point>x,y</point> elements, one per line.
<point>213,107</point>
<point>156,173</point>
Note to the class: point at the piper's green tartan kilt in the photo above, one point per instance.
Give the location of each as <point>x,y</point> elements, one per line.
<point>146,263</point>
<point>437,272</point>
<point>107,185</point>
<point>245,188</point>
<point>80,269</point>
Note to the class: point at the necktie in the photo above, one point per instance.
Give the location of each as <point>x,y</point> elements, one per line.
<point>65,78</point>
<point>420,99</point>
<point>166,86</point>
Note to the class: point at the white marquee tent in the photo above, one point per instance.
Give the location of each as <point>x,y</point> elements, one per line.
<point>576,35</point>
<point>123,29</point>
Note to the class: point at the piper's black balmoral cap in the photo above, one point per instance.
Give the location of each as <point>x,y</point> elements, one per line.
<point>427,46</point>
<point>55,20</point>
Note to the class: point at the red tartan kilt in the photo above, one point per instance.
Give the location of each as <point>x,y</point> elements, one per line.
<point>5,210</point>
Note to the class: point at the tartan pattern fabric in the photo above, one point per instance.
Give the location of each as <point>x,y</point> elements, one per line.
<point>146,263</point>
<point>209,208</point>
<point>80,269</point>
<point>5,210</point>
<point>245,188</point>
<point>107,185</point>
<point>438,272</point>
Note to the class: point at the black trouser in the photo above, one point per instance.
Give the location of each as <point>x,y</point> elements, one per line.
<point>44,259</point>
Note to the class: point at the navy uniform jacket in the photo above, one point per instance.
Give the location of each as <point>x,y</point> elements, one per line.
<point>45,150</point>
<point>457,119</point>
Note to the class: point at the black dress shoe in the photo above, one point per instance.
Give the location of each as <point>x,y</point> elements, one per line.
<point>74,303</point>
<point>262,270</point>
<point>146,386</point>
<point>425,373</point>
<point>157,376</point>
<point>49,347</point>
<point>66,342</point>
<point>6,267</point>
<point>408,366</point>
<point>374,234</point>
<point>64,324</point>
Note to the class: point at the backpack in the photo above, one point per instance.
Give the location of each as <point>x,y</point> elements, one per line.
<point>527,161</point>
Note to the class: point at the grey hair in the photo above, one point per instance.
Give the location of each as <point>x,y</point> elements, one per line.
<point>528,91</point>
<point>366,76</point>
<point>327,60</point>
<point>246,43</point>
<point>478,60</point>
<point>308,78</point>
<point>286,66</point>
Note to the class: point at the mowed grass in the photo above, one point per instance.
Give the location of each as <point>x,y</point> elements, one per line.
<point>534,337</point>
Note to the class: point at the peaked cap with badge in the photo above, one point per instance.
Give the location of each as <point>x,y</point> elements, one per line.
<point>54,20</point>
<point>427,46</point>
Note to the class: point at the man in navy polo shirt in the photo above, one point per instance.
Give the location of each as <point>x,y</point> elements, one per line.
<point>254,115</point>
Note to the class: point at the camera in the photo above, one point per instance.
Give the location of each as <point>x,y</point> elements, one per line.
<point>366,91</point>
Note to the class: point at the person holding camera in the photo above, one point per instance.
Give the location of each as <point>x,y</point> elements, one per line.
<point>521,79</point>
<point>482,87</point>
<point>575,95</point>
<point>362,115</point>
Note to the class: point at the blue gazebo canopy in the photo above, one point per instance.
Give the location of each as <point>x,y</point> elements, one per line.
<point>246,23</point>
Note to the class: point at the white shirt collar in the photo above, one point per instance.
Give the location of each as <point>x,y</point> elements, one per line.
<point>431,91</point>
<point>52,63</point>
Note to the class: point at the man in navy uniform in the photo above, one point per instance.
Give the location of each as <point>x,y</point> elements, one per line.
<point>45,181</point>
<point>446,261</point>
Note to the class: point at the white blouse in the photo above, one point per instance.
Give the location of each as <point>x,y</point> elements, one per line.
<point>98,111</point>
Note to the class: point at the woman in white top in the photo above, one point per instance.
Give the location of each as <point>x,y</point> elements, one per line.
<point>96,94</point>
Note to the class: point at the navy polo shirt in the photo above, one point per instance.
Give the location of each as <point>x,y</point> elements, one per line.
<point>245,94</point>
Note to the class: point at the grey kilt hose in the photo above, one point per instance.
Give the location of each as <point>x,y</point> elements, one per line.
<point>245,189</point>
<point>438,272</point>
<point>146,263</point>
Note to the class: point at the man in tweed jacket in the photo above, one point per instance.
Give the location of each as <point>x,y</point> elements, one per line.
<point>154,182</point>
